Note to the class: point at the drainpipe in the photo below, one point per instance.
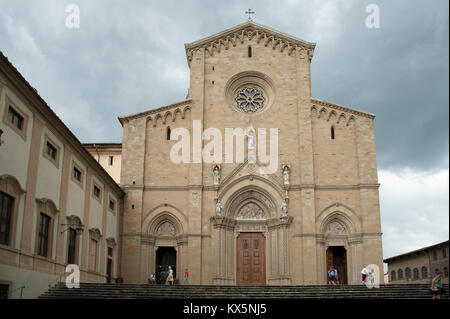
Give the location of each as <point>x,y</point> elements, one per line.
<point>98,154</point>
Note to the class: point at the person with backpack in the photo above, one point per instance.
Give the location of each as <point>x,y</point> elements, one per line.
<point>332,276</point>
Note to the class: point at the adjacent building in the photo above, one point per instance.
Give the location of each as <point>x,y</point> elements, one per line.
<point>108,155</point>
<point>419,266</point>
<point>58,205</point>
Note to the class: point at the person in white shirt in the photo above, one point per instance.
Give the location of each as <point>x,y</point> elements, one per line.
<point>364,274</point>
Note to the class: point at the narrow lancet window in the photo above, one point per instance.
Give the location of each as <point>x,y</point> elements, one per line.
<point>332,132</point>
<point>249,52</point>
<point>168,133</point>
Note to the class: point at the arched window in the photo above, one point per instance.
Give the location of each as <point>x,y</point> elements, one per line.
<point>400,274</point>
<point>332,132</point>
<point>416,273</point>
<point>249,51</point>
<point>168,133</point>
<point>408,273</point>
<point>424,272</point>
<point>393,277</point>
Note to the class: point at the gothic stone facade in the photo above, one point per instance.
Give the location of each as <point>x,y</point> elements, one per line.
<point>333,188</point>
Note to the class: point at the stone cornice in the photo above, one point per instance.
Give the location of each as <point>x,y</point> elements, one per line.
<point>278,40</point>
<point>342,108</point>
<point>292,187</point>
<point>126,118</point>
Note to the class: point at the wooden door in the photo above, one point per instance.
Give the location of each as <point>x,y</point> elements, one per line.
<point>340,263</point>
<point>251,259</point>
<point>337,257</point>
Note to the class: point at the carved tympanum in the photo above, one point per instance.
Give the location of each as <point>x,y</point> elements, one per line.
<point>251,211</point>
<point>166,229</point>
<point>335,228</point>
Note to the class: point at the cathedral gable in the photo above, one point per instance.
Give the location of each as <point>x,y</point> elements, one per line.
<point>247,32</point>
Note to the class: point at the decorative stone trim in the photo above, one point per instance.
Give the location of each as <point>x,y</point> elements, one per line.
<point>95,233</point>
<point>47,207</point>
<point>111,242</point>
<point>249,30</point>
<point>338,107</point>
<point>11,186</point>
<point>161,112</point>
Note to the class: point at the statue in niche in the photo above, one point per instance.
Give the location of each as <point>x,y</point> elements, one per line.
<point>284,208</point>
<point>165,229</point>
<point>218,208</point>
<point>251,211</point>
<point>335,228</point>
<point>286,175</point>
<point>251,139</point>
<point>216,175</point>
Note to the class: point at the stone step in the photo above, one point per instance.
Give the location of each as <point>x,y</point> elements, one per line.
<point>146,291</point>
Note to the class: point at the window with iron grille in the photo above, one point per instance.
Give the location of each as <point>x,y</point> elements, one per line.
<point>111,205</point>
<point>393,277</point>
<point>15,118</point>
<point>424,272</point>
<point>6,207</point>
<point>44,226</point>
<point>407,273</point>
<point>77,174</point>
<point>51,150</point>
<point>96,191</point>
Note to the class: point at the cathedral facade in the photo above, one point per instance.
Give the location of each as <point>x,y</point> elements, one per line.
<point>235,219</point>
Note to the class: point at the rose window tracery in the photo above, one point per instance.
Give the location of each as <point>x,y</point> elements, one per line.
<point>250,99</point>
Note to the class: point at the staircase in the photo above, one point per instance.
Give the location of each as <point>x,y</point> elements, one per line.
<point>146,291</point>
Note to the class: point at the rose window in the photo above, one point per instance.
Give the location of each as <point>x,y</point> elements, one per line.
<point>250,99</point>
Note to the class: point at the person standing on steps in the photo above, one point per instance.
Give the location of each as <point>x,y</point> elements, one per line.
<point>186,275</point>
<point>436,286</point>
<point>332,276</point>
<point>336,276</point>
<point>170,276</point>
<point>162,277</point>
<point>364,274</point>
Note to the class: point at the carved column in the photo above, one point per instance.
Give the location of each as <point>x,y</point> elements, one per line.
<point>278,229</point>
<point>224,254</point>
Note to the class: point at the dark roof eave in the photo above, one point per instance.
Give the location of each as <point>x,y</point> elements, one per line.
<point>87,156</point>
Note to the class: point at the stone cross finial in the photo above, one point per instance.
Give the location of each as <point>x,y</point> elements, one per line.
<point>249,12</point>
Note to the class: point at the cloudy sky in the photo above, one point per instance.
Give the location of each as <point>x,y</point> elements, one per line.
<point>128,57</point>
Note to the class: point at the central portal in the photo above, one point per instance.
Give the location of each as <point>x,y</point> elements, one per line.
<point>251,259</point>
<point>165,257</point>
<point>337,257</point>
